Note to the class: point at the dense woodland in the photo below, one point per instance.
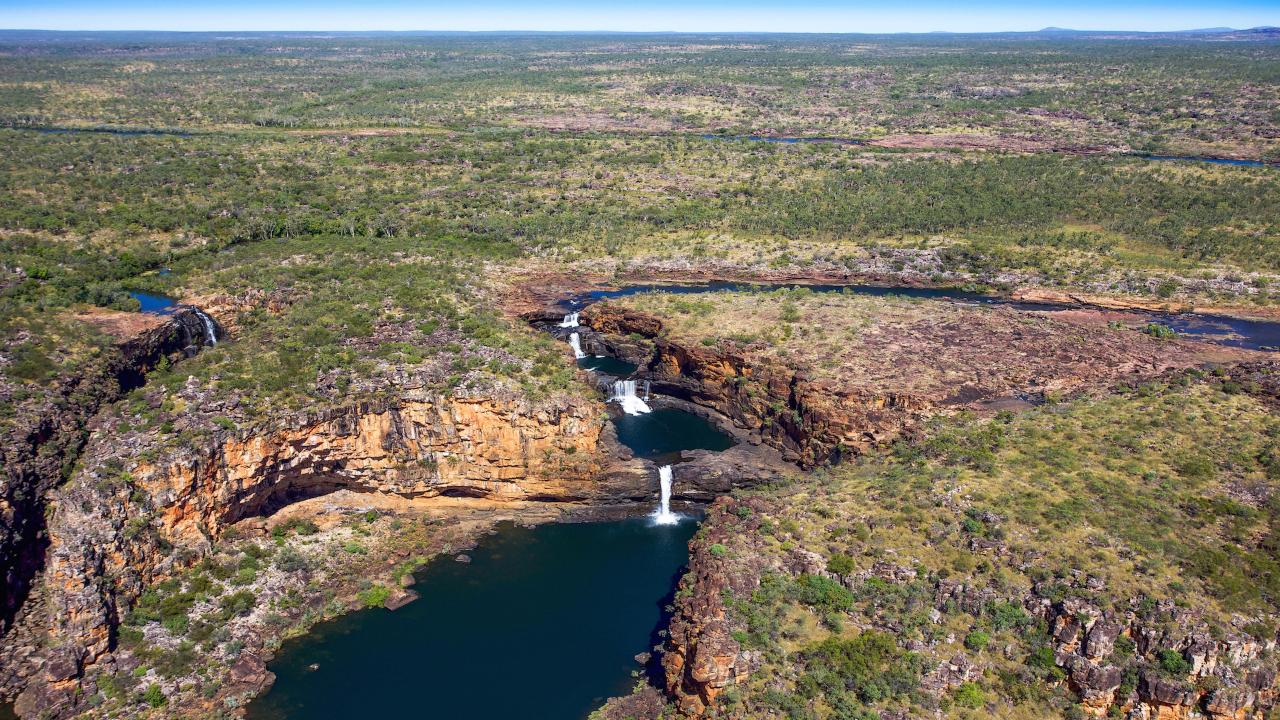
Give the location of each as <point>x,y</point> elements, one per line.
<point>350,152</point>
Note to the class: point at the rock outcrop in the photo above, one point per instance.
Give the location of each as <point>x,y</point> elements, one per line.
<point>42,443</point>
<point>1113,658</point>
<point>893,378</point>
<point>121,525</point>
<point>810,422</point>
<point>701,657</point>
<point>1226,676</point>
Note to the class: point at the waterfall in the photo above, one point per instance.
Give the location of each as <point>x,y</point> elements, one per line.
<point>663,515</point>
<point>576,344</point>
<point>646,391</point>
<point>210,328</point>
<point>570,320</point>
<point>624,393</point>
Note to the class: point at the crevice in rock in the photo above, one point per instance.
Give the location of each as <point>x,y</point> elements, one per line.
<point>41,457</point>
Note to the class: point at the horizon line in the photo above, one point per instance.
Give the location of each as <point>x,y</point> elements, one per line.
<point>1043,30</point>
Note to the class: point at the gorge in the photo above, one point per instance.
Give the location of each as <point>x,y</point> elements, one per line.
<point>683,429</point>
<point>639,376</point>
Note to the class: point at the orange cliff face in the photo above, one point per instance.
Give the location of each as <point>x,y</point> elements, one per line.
<point>469,447</point>
<point>110,537</point>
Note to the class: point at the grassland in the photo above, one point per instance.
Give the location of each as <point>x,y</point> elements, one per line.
<point>1146,502</point>
<point>341,201</point>
<point>1161,95</point>
<point>316,219</point>
<point>895,344</point>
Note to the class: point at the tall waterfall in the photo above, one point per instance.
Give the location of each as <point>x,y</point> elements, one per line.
<point>576,343</point>
<point>624,393</point>
<point>570,320</point>
<point>646,391</point>
<point>663,515</point>
<point>210,328</point>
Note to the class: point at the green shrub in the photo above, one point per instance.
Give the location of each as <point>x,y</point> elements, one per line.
<point>841,564</point>
<point>870,665</point>
<point>373,597</point>
<point>295,525</point>
<point>290,560</point>
<point>154,696</point>
<point>969,695</point>
<point>1042,662</point>
<point>238,603</point>
<point>977,640</point>
<point>823,593</point>
<point>1007,616</point>
<point>1173,663</point>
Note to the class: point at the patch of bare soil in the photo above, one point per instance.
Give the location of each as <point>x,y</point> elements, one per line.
<point>976,141</point>
<point>597,122</point>
<point>122,326</point>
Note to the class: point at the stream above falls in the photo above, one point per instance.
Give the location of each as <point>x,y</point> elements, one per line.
<point>1219,329</point>
<point>155,304</point>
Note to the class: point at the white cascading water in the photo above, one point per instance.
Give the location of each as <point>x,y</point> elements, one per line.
<point>570,320</point>
<point>646,391</point>
<point>663,515</point>
<point>576,343</point>
<point>624,393</point>
<point>210,330</point>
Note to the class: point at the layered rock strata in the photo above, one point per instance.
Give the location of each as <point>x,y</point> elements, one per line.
<point>122,525</point>
<point>40,447</point>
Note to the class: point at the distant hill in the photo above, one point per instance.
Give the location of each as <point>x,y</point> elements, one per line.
<point>1266,32</point>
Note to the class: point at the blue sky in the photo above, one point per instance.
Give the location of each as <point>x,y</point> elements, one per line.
<point>632,15</point>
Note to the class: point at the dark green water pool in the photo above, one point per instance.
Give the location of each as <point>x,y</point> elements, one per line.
<point>661,435</point>
<point>542,624</point>
<point>607,365</point>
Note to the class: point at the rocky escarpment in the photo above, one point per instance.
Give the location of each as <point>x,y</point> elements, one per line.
<point>40,447</point>
<point>121,524</point>
<point>1148,660</point>
<point>818,402</point>
<point>1102,642</point>
<point>701,657</point>
<point>810,421</point>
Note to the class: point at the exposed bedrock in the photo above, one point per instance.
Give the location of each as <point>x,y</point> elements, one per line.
<point>118,526</point>
<point>810,422</point>
<point>44,440</point>
<point>814,421</point>
<point>1228,675</point>
<point>814,416</point>
<point>700,656</point>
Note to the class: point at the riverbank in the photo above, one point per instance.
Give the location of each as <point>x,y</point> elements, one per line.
<point>319,557</point>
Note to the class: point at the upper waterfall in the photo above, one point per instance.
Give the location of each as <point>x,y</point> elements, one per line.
<point>210,327</point>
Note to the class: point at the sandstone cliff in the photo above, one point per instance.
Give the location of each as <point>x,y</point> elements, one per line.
<point>122,524</point>
<point>40,447</point>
